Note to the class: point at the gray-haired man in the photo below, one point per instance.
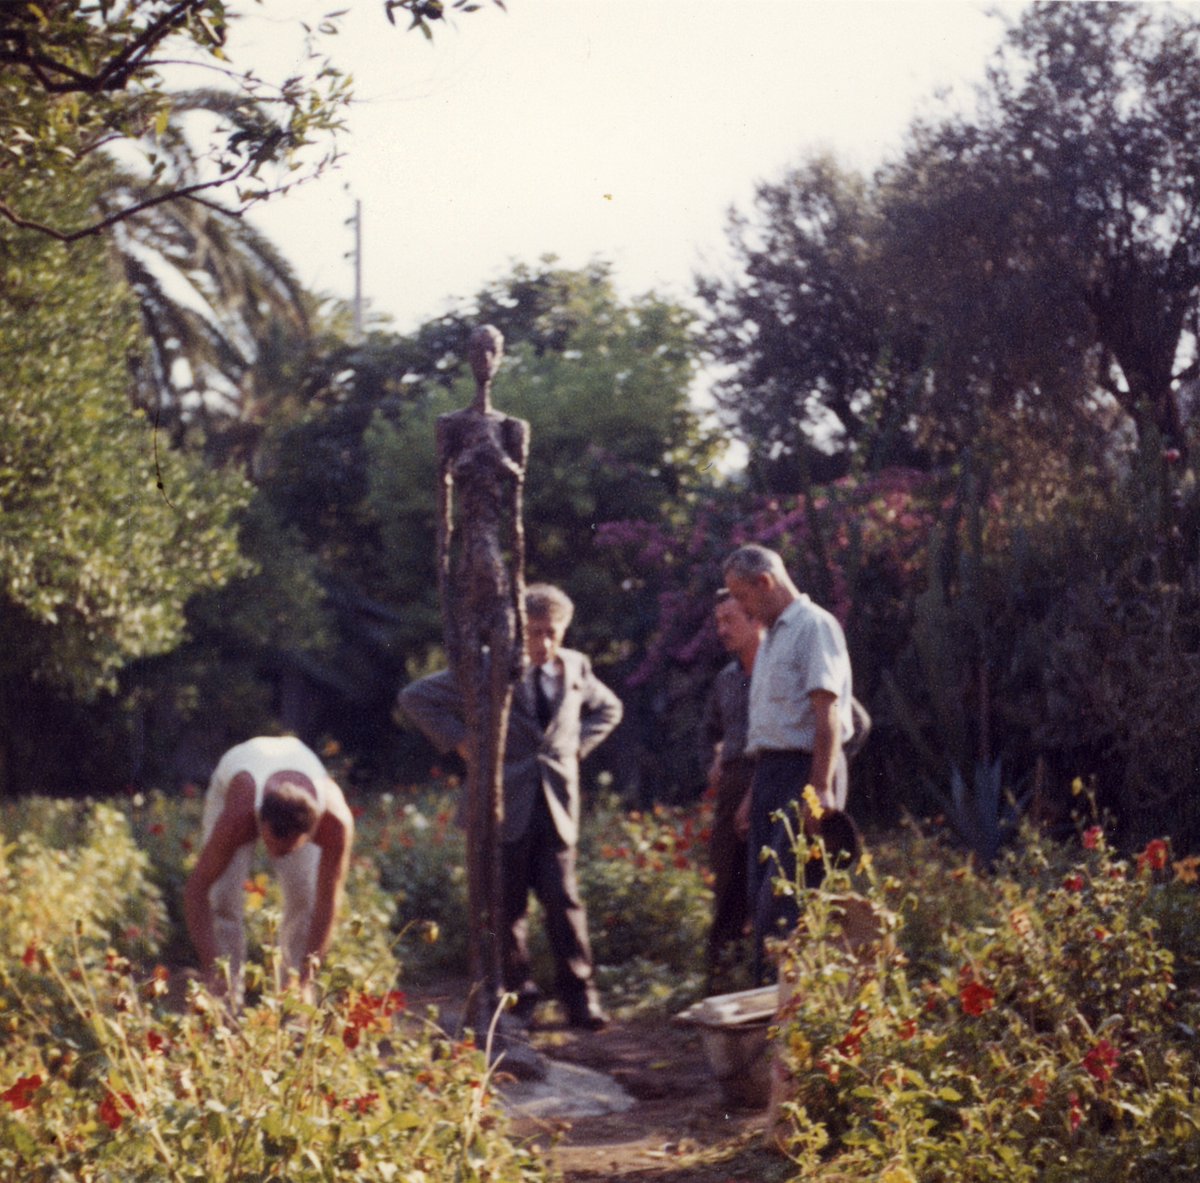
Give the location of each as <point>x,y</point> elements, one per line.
<point>560,712</point>
<point>800,717</point>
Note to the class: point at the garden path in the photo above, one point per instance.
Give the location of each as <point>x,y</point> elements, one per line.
<point>677,1130</point>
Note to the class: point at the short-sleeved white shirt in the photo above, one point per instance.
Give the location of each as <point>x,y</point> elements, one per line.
<point>804,650</point>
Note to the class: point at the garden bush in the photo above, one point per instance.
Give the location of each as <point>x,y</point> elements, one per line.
<point>110,1075</point>
<point>1036,1032</point>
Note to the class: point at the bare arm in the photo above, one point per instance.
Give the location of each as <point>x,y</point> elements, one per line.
<point>233,830</point>
<point>826,746</point>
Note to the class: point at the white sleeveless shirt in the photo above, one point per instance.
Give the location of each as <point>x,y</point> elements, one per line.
<point>265,755</point>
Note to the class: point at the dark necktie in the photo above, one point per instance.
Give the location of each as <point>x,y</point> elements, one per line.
<point>542,699</point>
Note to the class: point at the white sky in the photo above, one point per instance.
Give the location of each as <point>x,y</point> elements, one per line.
<point>614,129</point>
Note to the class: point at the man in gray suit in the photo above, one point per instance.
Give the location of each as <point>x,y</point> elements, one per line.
<point>560,712</point>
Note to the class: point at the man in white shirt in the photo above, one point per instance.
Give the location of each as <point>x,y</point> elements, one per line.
<point>800,718</point>
<point>276,789</point>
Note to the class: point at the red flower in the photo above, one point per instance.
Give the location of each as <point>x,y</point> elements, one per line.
<point>361,1105</point>
<point>851,1043</point>
<point>110,1109</point>
<point>20,1095</point>
<point>1100,1061</point>
<point>156,1042</point>
<point>1073,883</point>
<point>907,1029</point>
<point>1037,1091</point>
<point>1075,1115</point>
<point>30,955</point>
<point>157,828</point>
<point>975,998</point>
<point>351,1037</point>
<point>1156,855</point>
<point>1091,837</point>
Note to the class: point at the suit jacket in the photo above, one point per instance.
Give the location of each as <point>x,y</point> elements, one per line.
<point>535,761</point>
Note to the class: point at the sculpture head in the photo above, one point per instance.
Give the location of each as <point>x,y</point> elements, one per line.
<point>485,351</point>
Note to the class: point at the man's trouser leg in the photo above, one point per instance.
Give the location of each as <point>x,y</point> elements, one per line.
<point>297,874</point>
<point>779,780</point>
<point>727,859</point>
<point>227,898</point>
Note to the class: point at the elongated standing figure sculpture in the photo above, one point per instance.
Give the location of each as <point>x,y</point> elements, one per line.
<point>481,564</point>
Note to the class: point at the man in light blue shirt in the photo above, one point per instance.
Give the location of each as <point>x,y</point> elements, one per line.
<point>800,718</point>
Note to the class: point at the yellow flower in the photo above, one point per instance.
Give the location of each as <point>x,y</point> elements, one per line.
<point>897,1173</point>
<point>813,802</point>
<point>256,891</point>
<point>865,862</point>
<point>1077,786</point>
<point>800,1050</point>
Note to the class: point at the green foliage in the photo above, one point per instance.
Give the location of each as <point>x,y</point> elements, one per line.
<point>95,562</point>
<point>604,385</point>
<point>76,872</point>
<point>110,1074</point>
<point>1032,1031</point>
<point>77,78</point>
<point>421,856</point>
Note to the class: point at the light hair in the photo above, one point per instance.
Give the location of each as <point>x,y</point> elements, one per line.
<point>752,560</point>
<point>547,602</point>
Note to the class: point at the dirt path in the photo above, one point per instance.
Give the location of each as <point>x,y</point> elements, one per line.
<point>678,1129</point>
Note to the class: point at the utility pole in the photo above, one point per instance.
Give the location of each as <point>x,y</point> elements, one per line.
<point>356,221</point>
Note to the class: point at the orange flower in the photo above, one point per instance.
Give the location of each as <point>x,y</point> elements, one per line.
<point>1187,870</point>
<point>361,1105</point>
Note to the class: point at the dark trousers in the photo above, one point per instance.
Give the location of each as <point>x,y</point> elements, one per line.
<point>727,860</point>
<point>539,861</point>
<point>778,785</point>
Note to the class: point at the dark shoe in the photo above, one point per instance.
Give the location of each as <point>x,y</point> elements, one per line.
<point>588,1017</point>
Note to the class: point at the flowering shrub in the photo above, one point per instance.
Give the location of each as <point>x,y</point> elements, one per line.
<point>76,866</point>
<point>421,858</point>
<point>108,1075</point>
<point>349,1089</point>
<point>643,876</point>
<point>1043,1038</point>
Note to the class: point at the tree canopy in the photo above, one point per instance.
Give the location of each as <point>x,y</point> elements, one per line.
<point>80,77</point>
<point>1035,260</point>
